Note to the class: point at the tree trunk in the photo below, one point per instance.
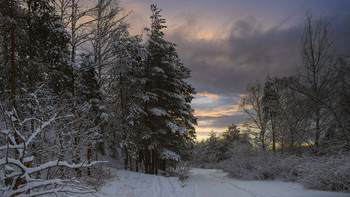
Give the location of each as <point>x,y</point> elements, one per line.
<point>317,129</point>
<point>273,133</point>
<point>77,153</point>
<point>137,164</point>
<point>292,141</point>
<point>147,159</point>
<point>30,49</point>
<point>89,157</point>
<point>282,144</point>
<point>163,164</point>
<point>152,161</point>
<point>262,138</point>
<point>13,70</point>
<point>156,161</point>
<point>73,45</point>
<point>130,162</point>
<point>123,123</point>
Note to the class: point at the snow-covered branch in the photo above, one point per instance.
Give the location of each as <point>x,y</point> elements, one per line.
<point>20,164</point>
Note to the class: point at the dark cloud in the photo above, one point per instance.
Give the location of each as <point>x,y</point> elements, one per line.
<point>249,53</point>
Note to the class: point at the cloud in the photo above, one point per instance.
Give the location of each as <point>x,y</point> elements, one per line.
<point>207,94</point>
<point>224,66</point>
<point>224,110</point>
<point>216,112</point>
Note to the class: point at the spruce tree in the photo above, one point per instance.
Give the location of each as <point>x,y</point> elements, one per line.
<point>127,83</point>
<point>90,102</point>
<point>169,115</point>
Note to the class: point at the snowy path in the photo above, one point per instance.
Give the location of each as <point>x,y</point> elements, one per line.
<point>203,183</point>
<point>207,182</point>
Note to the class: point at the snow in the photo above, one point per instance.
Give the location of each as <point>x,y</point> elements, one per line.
<point>202,183</point>
<point>175,128</point>
<point>168,154</point>
<point>158,111</point>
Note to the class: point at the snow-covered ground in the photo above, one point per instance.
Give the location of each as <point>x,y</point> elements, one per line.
<point>202,183</point>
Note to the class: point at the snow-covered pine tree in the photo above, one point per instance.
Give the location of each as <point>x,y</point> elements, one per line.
<point>11,19</point>
<point>169,115</point>
<point>126,92</point>
<point>47,48</point>
<point>214,148</point>
<point>39,53</point>
<point>90,103</point>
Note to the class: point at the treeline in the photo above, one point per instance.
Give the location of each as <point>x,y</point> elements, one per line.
<point>76,84</point>
<point>298,127</point>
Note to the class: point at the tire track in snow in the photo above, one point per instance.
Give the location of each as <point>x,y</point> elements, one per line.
<point>226,181</point>
<point>223,178</point>
<point>214,183</point>
<point>242,189</point>
<point>172,187</point>
<point>156,187</point>
<point>159,188</point>
<point>165,187</point>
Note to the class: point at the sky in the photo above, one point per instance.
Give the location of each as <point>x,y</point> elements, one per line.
<point>228,44</point>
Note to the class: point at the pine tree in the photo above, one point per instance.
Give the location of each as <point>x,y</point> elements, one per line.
<point>169,115</point>
<point>90,102</point>
<point>11,32</point>
<point>126,92</point>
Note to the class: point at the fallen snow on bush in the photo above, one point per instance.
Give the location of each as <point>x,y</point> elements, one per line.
<point>202,183</point>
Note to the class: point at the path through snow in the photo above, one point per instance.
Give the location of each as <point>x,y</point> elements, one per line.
<point>203,183</point>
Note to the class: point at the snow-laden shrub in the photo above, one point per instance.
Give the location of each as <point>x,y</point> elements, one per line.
<point>255,165</point>
<point>98,177</point>
<point>27,167</point>
<point>321,173</point>
<point>325,173</point>
<point>181,170</point>
<point>287,166</point>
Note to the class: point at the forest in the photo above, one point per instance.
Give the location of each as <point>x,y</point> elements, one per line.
<point>75,84</point>
<point>78,91</point>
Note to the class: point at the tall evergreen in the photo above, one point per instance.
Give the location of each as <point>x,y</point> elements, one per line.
<point>90,102</point>
<point>126,80</point>
<point>12,24</point>
<point>34,42</point>
<point>169,116</point>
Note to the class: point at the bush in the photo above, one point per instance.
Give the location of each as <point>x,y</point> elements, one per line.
<point>321,173</point>
<point>254,166</point>
<point>181,171</point>
<point>325,173</point>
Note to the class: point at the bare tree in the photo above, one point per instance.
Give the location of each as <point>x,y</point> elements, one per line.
<point>294,116</point>
<point>318,75</point>
<point>107,26</point>
<point>76,19</point>
<point>252,105</point>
